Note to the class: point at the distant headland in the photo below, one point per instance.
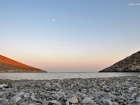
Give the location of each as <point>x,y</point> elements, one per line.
<point>129,64</point>
<point>9,65</point>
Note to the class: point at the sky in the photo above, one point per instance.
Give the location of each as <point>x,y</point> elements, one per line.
<point>69,35</point>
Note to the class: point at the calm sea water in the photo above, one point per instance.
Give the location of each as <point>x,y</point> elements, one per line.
<point>48,76</point>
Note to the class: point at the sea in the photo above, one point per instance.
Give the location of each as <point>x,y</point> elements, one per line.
<point>60,75</point>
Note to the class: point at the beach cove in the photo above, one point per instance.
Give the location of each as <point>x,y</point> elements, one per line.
<point>123,90</point>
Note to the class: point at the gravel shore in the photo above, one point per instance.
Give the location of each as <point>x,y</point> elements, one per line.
<point>93,91</point>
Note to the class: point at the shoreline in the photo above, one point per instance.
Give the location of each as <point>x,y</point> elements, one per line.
<point>63,79</point>
<point>124,90</point>
<point>50,76</point>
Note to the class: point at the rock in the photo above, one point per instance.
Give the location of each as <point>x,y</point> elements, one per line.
<point>79,99</point>
<point>115,103</point>
<point>122,98</point>
<point>55,96</point>
<point>20,94</point>
<point>87,100</point>
<point>137,100</point>
<point>56,86</point>
<point>31,104</point>
<point>38,104</point>
<point>67,103</point>
<point>4,102</point>
<point>60,94</point>
<point>39,100</point>
<point>2,85</point>
<point>33,98</point>
<point>45,102</point>
<point>5,96</point>
<point>48,85</point>
<point>132,88</point>
<point>107,102</point>
<point>24,103</point>
<point>15,99</point>
<point>33,94</point>
<point>55,102</point>
<point>73,100</point>
<point>26,95</point>
<point>2,93</point>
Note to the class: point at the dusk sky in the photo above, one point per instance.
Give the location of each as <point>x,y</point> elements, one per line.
<point>69,35</point>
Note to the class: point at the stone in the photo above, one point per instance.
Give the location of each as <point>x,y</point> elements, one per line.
<point>132,88</point>
<point>15,99</point>
<point>137,100</point>
<point>67,103</point>
<point>45,102</point>
<point>23,103</point>
<point>79,99</point>
<point>31,104</point>
<point>55,102</point>
<point>87,100</point>
<point>55,96</point>
<point>115,103</point>
<point>73,100</point>
<point>5,96</point>
<point>20,94</point>
<point>2,85</point>
<point>56,85</point>
<point>107,102</point>
<point>48,85</point>
<point>4,102</point>
<point>26,95</point>
<point>33,98</point>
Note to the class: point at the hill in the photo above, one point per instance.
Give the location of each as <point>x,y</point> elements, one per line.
<point>9,65</point>
<point>129,64</point>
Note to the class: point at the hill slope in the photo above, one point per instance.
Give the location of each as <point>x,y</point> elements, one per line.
<point>129,64</point>
<point>9,65</point>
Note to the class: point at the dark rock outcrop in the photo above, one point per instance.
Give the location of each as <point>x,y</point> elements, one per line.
<point>9,65</point>
<point>129,64</point>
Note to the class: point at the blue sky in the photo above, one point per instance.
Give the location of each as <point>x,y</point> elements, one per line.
<point>69,35</point>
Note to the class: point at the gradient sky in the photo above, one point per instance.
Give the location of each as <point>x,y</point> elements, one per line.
<point>69,35</point>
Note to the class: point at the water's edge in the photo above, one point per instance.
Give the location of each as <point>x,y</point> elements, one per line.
<point>52,75</point>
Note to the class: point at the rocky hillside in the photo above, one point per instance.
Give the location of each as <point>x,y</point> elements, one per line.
<point>9,65</point>
<point>129,64</point>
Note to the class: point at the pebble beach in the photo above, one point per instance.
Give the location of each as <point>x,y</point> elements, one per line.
<point>92,91</point>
